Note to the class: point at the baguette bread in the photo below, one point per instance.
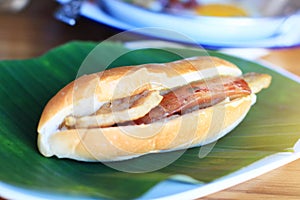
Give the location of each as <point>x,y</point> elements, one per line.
<point>76,123</point>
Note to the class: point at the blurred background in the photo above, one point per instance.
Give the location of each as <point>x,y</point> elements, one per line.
<point>33,30</point>
<point>29,27</point>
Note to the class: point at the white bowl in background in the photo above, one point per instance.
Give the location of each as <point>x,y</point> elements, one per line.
<point>265,22</point>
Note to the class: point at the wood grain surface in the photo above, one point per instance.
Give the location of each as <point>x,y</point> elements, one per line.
<point>33,31</point>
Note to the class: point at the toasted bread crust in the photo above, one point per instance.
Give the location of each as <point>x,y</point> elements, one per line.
<point>129,80</point>
<point>119,143</point>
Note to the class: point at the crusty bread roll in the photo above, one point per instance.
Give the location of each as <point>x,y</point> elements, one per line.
<point>117,138</point>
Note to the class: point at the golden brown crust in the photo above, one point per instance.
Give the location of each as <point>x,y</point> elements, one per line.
<point>66,96</point>
<point>126,81</point>
<point>118,143</point>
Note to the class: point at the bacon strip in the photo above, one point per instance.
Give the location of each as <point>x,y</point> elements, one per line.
<point>197,95</point>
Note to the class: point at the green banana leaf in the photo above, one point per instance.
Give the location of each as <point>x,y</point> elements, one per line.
<point>272,125</point>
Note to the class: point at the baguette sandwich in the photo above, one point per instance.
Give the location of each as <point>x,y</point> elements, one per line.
<point>131,111</point>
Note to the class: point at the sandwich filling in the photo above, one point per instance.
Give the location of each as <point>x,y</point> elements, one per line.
<point>152,106</point>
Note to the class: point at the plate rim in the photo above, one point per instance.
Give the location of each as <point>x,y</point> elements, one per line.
<point>94,12</point>
<point>37,194</point>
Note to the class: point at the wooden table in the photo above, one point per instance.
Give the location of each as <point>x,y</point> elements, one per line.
<point>34,31</point>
